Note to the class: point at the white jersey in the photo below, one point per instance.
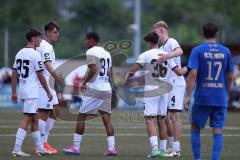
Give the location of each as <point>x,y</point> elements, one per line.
<point>47,53</point>
<point>169,46</point>
<point>102,59</point>
<point>27,63</point>
<point>161,71</point>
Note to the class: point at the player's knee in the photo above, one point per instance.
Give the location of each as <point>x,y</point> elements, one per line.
<point>161,119</point>
<point>174,116</point>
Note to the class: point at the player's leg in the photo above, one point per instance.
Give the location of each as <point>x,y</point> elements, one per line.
<point>150,113</point>
<point>217,121</point>
<point>175,106</point>
<point>39,150</point>
<point>106,118</point>
<point>22,130</point>
<point>169,126</point>
<point>162,133</point>
<point>34,127</point>
<point>196,141</point>
<point>105,111</point>
<point>176,121</point>
<point>43,116</point>
<point>20,135</point>
<point>77,137</point>
<point>152,134</point>
<point>199,116</point>
<point>162,113</point>
<point>89,105</point>
<point>50,123</point>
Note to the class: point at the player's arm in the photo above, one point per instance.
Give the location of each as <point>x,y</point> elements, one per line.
<point>177,52</point>
<point>110,74</point>
<point>43,82</point>
<point>14,85</point>
<point>229,80</point>
<point>92,70</point>
<point>180,70</point>
<point>51,70</point>
<point>164,57</point>
<point>132,71</point>
<point>191,80</point>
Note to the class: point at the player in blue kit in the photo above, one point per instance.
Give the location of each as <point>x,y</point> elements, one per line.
<point>211,68</point>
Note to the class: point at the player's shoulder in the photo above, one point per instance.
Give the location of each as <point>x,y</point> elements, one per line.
<point>44,44</point>
<point>172,40</point>
<point>224,48</point>
<point>97,51</point>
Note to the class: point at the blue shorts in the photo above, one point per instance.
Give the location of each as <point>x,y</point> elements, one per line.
<point>200,114</point>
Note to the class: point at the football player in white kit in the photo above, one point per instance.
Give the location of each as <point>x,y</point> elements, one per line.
<point>28,69</point>
<point>156,106</point>
<point>48,109</point>
<point>97,94</point>
<point>175,100</point>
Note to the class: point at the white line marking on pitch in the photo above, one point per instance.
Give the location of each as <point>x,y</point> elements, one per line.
<point>122,134</point>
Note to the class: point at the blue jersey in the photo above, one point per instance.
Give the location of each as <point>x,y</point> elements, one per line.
<point>212,61</point>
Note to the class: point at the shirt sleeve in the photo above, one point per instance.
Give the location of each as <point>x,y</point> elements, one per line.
<point>193,62</point>
<point>46,53</point>
<point>229,62</point>
<point>92,57</point>
<point>173,44</point>
<point>37,62</point>
<point>141,60</point>
<point>172,64</point>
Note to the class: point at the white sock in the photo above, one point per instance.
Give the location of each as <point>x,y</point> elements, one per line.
<point>49,125</point>
<point>176,146</point>
<point>170,140</point>
<point>20,136</point>
<point>163,145</point>
<point>111,142</point>
<point>37,140</point>
<point>42,129</point>
<point>154,142</point>
<point>77,140</point>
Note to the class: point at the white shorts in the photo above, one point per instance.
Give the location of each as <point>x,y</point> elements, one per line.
<point>175,98</point>
<point>93,104</point>
<point>30,105</point>
<point>43,99</point>
<point>154,106</point>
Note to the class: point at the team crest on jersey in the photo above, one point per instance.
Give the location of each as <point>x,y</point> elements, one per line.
<point>47,56</point>
<point>40,65</point>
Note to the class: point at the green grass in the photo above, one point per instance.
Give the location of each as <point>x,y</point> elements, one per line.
<point>131,139</point>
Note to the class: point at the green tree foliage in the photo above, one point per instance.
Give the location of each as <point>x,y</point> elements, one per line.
<point>185,18</point>
<point>18,16</point>
<point>109,18</point>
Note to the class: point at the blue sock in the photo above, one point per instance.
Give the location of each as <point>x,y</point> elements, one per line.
<point>196,145</point>
<point>217,146</point>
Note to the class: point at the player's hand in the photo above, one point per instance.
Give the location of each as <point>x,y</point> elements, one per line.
<point>84,87</point>
<point>50,97</point>
<point>61,81</point>
<point>187,103</point>
<point>185,69</point>
<point>14,98</point>
<point>162,58</point>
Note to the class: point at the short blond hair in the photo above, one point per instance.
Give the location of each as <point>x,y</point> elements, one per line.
<point>160,24</point>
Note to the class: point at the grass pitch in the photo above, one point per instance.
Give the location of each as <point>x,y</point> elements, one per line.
<point>131,138</point>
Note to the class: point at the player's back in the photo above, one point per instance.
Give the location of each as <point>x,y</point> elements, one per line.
<point>27,62</point>
<point>103,61</point>
<point>155,71</point>
<point>214,61</point>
